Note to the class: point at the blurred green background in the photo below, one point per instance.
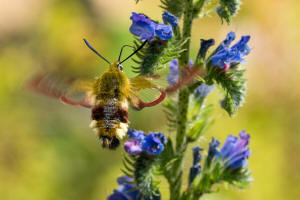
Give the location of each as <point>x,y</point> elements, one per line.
<point>47,150</point>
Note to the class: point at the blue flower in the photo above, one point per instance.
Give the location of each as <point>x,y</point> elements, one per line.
<point>195,170</point>
<point>235,151</point>
<point>213,149</point>
<point>203,90</point>
<point>146,29</point>
<point>172,77</point>
<point>225,55</point>
<point>171,19</point>
<point>136,135</point>
<point>229,39</point>
<point>153,143</point>
<point>164,31</point>
<point>125,191</point>
<point>128,191</point>
<point>142,26</point>
<point>197,155</point>
<point>205,44</point>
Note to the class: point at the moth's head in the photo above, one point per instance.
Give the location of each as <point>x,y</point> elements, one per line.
<point>116,66</point>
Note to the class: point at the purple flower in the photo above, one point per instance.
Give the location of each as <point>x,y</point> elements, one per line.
<point>127,190</point>
<point>164,31</point>
<point>235,151</point>
<point>203,90</point>
<point>132,147</point>
<point>225,55</point>
<point>172,77</point>
<point>153,143</point>
<point>171,19</point>
<point>142,26</point>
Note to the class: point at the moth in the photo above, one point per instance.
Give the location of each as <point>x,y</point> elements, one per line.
<point>108,95</point>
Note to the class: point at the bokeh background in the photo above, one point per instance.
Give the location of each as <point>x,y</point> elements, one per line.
<point>47,150</point>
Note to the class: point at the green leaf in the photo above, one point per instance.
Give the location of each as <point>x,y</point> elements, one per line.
<point>227,9</point>
<point>156,55</point>
<point>233,86</point>
<point>173,6</point>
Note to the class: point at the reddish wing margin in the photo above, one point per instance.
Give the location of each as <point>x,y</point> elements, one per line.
<point>60,88</point>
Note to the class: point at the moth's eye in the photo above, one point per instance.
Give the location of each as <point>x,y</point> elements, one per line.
<point>120,67</point>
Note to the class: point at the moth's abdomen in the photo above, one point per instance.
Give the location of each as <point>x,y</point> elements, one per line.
<point>110,122</point>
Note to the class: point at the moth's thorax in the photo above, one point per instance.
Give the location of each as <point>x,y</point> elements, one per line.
<point>113,83</point>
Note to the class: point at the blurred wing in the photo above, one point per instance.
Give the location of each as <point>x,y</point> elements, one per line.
<point>69,90</point>
<point>142,83</point>
<point>156,82</point>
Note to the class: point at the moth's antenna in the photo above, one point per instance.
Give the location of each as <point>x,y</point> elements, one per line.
<point>89,46</point>
<point>140,47</point>
<point>122,50</point>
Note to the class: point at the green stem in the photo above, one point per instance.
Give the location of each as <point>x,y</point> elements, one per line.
<point>183,102</point>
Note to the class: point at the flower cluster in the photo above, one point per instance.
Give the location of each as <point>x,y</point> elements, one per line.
<point>234,152</point>
<point>146,29</point>
<point>153,143</point>
<point>127,190</point>
<point>225,55</point>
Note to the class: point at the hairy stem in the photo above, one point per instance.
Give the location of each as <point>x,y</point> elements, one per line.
<point>183,102</point>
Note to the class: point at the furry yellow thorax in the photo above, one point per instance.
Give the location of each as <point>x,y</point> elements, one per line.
<point>112,84</point>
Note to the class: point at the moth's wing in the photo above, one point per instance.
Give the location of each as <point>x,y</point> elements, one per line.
<point>142,83</point>
<point>72,91</point>
<point>159,83</point>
